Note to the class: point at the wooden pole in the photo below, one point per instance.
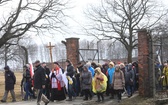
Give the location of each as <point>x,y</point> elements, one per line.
<point>50,49</point>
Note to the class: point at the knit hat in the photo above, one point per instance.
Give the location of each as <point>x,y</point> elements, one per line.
<point>98,70</point>
<point>111,63</point>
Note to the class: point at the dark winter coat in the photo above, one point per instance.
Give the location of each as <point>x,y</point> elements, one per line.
<point>27,77</point>
<point>70,70</point>
<point>39,77</point>
<point>10,80</point>
<point>86,80</point>
<point>129,76</point>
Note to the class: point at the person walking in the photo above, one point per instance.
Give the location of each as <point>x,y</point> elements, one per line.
<point>39,83</point>
<point>10,81</point>
<point>26,82</point>
<point>109,74</point>
<point>86,82</point>
<point>118,82</point>
<point>165,75</point>
<point>57,84</point>
<point>71,81</point>
<point>99,84</point>
<point>47,89</point>
<point>129,79</point>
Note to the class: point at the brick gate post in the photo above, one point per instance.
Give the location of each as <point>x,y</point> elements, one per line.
<point>145,64</point>
<point>72,50</point>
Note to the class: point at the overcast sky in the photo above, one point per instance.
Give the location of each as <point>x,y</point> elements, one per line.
<point>78,17</point>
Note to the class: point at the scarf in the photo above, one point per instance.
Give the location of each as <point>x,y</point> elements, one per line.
<point>58,82</point>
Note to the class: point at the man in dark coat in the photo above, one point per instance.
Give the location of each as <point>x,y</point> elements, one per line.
<point>39,82</point>
<point>47,84</point>
<point>10,81</point>
<point>70,73</point>
<point>129,79</point>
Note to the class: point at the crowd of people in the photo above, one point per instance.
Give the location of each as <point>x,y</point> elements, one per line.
<point>87,80</point>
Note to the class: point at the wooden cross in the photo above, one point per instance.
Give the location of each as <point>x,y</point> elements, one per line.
<point>50,48</point>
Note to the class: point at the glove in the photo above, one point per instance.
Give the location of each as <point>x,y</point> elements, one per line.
<point>98,78</point>
<point>70,80</point>
<point>101,79</point>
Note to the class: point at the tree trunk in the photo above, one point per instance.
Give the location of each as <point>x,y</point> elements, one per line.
<point>129,59</point>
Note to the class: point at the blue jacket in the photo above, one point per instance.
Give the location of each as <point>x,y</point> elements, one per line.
<point>92,71</point>
<point>110,74</point>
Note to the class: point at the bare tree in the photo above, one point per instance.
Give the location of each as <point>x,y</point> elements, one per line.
<point>116,50</point>
<point>31,16</point>
<point>15,51</point>
<point>160,37</point>
<point>120,19</point>
<point>9,51</point>
<point>3,1</point>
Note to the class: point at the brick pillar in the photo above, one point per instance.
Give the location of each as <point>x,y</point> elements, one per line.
<point>144,64</point>
<point>72,48</point>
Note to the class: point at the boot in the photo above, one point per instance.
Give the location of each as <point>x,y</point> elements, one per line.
<point>112,97</point>
<point>102,98</point>
<point>98,96</point>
